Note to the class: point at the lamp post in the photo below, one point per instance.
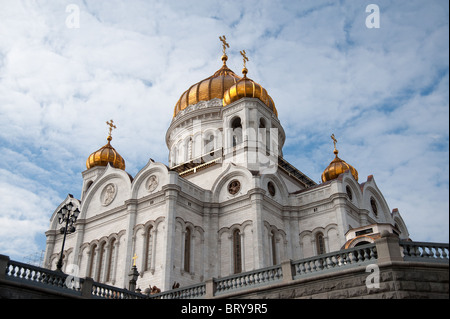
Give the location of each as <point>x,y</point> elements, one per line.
<point>68,215</point>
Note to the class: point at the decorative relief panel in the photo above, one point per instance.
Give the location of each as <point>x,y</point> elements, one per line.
<point>108,194</point>
<point>152,183</point>
<point>234,187</point>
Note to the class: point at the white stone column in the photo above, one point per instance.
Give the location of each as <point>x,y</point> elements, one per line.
<point>171,196</point>
<point>256,197</point>
<point>132,211</point>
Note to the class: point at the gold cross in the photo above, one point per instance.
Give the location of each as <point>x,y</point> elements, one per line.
<point>134,259</point>
<point>111,126</point>
<point>225,44</point>
<point>334,140</point>
<point>244,56</point>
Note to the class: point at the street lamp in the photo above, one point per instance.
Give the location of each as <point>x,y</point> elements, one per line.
<point>68,215</point>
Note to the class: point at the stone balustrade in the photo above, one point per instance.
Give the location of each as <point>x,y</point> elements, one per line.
<point>386,250</point>
<point>420,251</point>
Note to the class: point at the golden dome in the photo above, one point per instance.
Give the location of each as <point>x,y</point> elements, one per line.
<point>106,154</point>
<point>337,167</point>
<point>246,87</point>
<point>209,88</point>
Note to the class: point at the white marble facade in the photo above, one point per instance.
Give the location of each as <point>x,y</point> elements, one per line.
<point>223,205</point>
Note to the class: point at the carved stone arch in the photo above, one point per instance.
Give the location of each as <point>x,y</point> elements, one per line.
<point>400,224</point>
<point>108,174</point>
<point>241,227</point>
<point>138,228</point>
<point>281,190</point>
<point>199,230</point>
<point>88,184</point>
<point>331,227</point>
<point>94,242</point>
<point>114,237</point>
<point>84,246</point>
<point>305,242</point>
<point>357,194</point>
<point>359,240</point>
<point>230,173</point>
<point>304,234</point>
<point>151,168</point>
<point>382,207</point>
<point>318,230</point>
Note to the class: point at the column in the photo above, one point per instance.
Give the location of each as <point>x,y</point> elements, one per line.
<point>256,197</point>
<point>171,195</point>
<point>132,211</point>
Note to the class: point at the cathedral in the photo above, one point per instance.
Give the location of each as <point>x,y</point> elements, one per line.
<point>226,203</point>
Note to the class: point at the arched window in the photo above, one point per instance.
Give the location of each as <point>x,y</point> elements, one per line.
<point>274,248</point>
<point>174,156</point>
<point>373,204</point>
<point>148,249</point>
<point>237,253</point>
<point>209,144</point>
<point>236,126</point>
<point>92,261</point>
<point>264,135</point>
<point>101,262</point>
<point>187,250</point>
<point>320,244</point>
<point>111,261</point>
<point>349,192</point>
<point>89,185</point>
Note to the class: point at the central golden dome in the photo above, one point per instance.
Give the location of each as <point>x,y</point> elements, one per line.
<point>209,88</point>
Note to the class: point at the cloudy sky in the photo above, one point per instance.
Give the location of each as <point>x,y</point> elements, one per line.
<point>66,67</point>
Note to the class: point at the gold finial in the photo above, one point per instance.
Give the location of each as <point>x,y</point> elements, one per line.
<point>334,142</point>
<point>245,58</point>
<point>134,259</point>
<point>224,46</point>
<point>111,126</point>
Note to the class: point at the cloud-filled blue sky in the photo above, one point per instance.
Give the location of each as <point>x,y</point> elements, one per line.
<point>382,91</point>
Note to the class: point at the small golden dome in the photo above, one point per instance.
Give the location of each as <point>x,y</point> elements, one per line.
<point>337,167</point>
<point>106,154</point>
<point>246,87</point>
<point>209,88</point>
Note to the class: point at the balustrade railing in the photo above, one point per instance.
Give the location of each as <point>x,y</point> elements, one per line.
<point>103,291</point>
<point>343,259</point>
<point>428,252</point>
<point>190,292</point>
<point>337,260</point>
<point>249,279</point>
<point>45,278</point>
<point>17,271</point>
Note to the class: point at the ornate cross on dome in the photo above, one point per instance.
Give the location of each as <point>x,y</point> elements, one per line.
<point>134,259</point>
<point>111,126</point>
<point>334,142</point>
<point>244,55</point>
<point>225,44</point>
